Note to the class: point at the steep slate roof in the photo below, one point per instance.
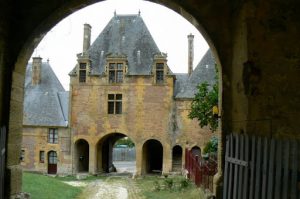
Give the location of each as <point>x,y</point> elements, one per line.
<point>124,35</point>
<point>186,86</point>
<point>45,104</point>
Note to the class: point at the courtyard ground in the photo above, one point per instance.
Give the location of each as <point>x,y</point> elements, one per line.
<point>120,185</point>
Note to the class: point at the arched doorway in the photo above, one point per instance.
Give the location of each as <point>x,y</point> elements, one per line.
<point>82,155</point>
<point>196,151</point>
<point>42,28</point>
<point>116,156</point>
<point>52,162</point>
<point>152,156</point>
<point>177,158</point>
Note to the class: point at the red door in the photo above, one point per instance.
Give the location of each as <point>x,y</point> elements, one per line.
<point>52,162</point>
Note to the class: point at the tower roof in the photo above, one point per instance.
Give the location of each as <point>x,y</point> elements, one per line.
<point>45,104</point>
<point>127,36</point>
<point>186,86</point>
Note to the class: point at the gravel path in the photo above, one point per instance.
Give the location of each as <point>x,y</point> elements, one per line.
<point>113,187</point>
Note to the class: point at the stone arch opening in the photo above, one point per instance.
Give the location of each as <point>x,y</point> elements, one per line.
<point>196,151</point>
<point>52,162</point>
<point>152,155</point>
<point>177,158</point>
<point>113,158</point>
<point>81,156</point>
<point>50,18</point>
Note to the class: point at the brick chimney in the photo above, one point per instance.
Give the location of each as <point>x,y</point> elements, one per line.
<point>86,37</point>
<point>190,53</point>
<point>36,70</point>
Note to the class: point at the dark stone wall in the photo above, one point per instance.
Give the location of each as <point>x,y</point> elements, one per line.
<point>256,44</point>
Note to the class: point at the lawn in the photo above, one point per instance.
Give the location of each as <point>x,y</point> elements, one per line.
<point>156,187</point>
<point>44,187</point>
<point>147,187</point>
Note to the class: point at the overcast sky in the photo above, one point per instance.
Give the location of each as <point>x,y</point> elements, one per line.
<point>169,30</point>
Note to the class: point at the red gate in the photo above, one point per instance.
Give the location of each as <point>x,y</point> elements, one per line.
<point>201,170</point>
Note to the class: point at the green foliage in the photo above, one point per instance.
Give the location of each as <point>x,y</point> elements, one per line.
<point>125,141</point>
<point>202,105</point>
<point>211,146</point>
<point>156,185</point>
<point>181,188</point>
<point>168,183</point>
<point>184,183</point>
<point>40,186</point>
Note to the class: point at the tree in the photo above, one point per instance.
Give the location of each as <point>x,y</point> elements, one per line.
<point>202,105</point>
<point>125,141</point>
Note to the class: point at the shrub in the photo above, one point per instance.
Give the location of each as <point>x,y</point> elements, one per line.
<point>184,183</point>
<point>156,186</point>
<point>168,183</point>
<point>211,146</point>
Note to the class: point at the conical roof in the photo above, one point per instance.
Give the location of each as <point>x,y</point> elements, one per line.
<point>45,104</point>
<point>124,35</point>
<point>186,86</point>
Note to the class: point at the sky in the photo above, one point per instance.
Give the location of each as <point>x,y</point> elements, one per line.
<point>168,29</point>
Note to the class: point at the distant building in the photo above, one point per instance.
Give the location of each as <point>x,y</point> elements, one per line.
<point>46,136</point>
<point>122,86</point>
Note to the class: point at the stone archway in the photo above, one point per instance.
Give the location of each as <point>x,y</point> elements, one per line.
<point>35,32</point>
<point>152,157</point>
<point>196,151</point>
<point>104,152</point>
<point>177,158</point>
<point>81,156</point>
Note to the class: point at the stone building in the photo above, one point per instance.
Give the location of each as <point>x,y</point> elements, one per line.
<point>46,137</point>
<point>122,86</point>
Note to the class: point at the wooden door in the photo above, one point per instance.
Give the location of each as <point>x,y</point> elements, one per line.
<point>52,162</point>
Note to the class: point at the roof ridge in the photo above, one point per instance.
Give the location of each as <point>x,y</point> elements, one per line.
<point>60,105</point>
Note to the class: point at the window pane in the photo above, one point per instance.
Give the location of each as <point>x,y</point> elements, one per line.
<point>120,76</point>
<point>52,157</point>
<point>112,77</point>
<point>110,107</point>
<point>22,155</point>
<point>120,66</point>
<point>159,76</point>
<point>119,96</point>
<point>82,66</point>
<point>159,66</point>
<point>82,75</point>
<point>118,107</point>
<point>42,156</point>
<point>111,96</point>
<point>112,66</point>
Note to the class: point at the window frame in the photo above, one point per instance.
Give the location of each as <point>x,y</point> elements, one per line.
<point>22,156</point>
<point>52,157</point>
<point>159,72</point>
<point>114,104</point>
<point>82,72</point>
<point>114,70</point>
<point>53,135</point>
<point>42,156</point>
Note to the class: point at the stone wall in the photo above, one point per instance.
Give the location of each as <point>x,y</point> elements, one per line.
<point>148,112</point>
<point>35,139</point>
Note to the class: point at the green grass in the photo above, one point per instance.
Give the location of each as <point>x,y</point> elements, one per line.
<point>44,187</point>
<point>148,187</point>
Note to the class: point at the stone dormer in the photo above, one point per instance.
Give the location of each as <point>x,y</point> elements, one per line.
<point>160,68</point>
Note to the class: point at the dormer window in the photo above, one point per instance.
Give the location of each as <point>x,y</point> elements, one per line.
<point>159,72</point>
<point>116,72</point>
<point>82,72</point>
